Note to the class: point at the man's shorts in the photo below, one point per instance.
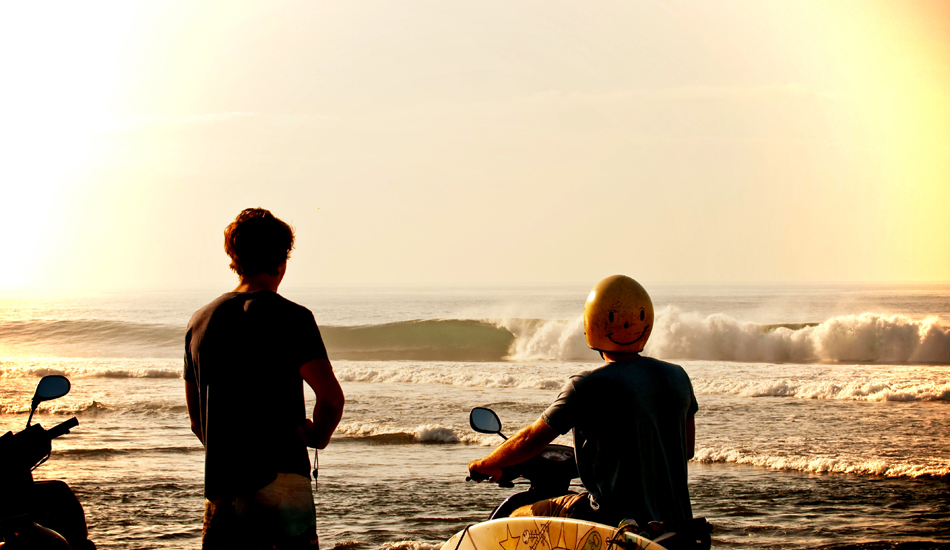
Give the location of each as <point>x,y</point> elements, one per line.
<point>279,516</point>
<point>572,505</point>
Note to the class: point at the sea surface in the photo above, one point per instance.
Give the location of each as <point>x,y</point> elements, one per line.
<point>824,415</point>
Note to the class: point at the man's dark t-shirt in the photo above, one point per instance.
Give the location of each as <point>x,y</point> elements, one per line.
<point>629,421</point>
<point>244,352</point>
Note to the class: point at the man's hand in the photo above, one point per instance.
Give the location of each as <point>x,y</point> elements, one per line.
<point>478,472</point>
<point>193,400</point>
<point>528,442</point>
<point>305,431</point>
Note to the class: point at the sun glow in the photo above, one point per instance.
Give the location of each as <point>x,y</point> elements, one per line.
<point>814,133</point>
<point>60,64</point>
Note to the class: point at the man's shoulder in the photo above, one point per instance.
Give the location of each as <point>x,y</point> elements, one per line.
<point>207,311</point>
<point>621,368</point>
<point>270,300</point>
<point>290,310</point>
<point>661,364</point>
<point>290,304</point>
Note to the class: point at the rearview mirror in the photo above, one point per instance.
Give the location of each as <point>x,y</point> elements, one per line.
<point>50,387</point>
<point>484,421</point>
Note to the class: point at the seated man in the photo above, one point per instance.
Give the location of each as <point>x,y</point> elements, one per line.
<point>633,422</point>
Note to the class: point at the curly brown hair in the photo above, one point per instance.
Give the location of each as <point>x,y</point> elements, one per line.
<point>257,242</point>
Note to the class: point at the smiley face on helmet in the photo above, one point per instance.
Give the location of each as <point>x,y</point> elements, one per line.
<point>618,315</point>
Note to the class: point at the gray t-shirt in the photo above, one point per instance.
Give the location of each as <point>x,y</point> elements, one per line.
<point>629,422</point>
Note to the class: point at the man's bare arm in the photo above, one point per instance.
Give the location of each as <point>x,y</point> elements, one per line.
<point>690,437</point>
<point>193,400</point>
<point>525,444</point>
<point>330,400</point>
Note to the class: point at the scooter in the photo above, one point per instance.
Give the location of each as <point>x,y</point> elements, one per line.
<point>550,474</point>
<point>38,515</point>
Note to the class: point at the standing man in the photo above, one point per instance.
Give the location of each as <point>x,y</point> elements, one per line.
<point>633,422</point>
<point>247,355</point>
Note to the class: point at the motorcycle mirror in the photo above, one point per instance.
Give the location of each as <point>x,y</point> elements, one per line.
<point>485,421</point>
<point>50,387</point>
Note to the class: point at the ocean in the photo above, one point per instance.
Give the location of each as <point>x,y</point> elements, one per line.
<point>824,416</point>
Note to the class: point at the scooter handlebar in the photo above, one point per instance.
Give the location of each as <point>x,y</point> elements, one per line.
<point>476,476</point>
<point>62,428</point>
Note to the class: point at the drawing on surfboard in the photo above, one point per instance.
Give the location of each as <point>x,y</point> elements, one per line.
<point>543,533</point>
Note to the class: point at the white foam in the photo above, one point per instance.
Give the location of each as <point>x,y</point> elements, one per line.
<point>823,465</point>
<point>862,389</point>
<point>869,337</point>
<point>862,383</point>
<point>90,368</point>
<point>555,340</point>
<point>427,433</point>
<point>6,408</point>
<point>436,434</point>
<point>57,407</point>
<point>474,375</point>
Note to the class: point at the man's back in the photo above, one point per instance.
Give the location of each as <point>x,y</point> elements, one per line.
<point>629,420</point>
<point>244,351</point>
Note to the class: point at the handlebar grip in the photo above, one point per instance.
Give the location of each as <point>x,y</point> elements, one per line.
<point>62,428</point>
<point>476,476</point>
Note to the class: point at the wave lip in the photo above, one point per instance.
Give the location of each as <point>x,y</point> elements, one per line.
<point>90,337</point>
<point>421,340</point>
<point>823,465</point>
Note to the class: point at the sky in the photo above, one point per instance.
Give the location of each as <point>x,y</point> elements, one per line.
<point>490,142</point>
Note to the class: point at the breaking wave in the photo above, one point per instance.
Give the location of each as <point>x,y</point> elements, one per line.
<point>865,338</point>
<point>824,465</point>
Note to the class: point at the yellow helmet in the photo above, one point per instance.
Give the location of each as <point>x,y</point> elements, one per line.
<point>618,315</point>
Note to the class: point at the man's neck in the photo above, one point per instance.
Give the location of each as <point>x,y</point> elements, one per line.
<point>614,356</point>
<point>259,282</point>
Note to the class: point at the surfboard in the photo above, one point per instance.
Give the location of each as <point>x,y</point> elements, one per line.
<point>541,533</point>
